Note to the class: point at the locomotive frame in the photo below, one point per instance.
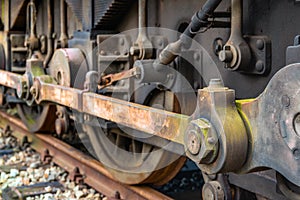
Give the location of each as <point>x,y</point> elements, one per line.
<point>73,63</point>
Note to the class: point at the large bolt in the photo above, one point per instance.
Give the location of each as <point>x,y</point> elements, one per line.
<point>201,141</point>
<point>194,142</point>
<point>22,89</point>
<point>134,50</point>
<point>226,55</point>
<point>213,191</point>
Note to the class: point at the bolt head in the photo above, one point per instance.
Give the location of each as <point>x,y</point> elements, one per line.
<point>22,89</point>
<point>193,142</point>
<point>226,56</point>
<point>260,44</point>
<point>213,190</point>
<point>201,141</point>
<point>259,66</point>
<point>134,50</point>
<point>215,83</point>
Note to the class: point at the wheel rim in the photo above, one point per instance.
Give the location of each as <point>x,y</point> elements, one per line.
<point>131,161</point>
<point>37,117</point>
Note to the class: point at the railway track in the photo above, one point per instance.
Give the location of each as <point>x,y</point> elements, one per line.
<point>81,167</point>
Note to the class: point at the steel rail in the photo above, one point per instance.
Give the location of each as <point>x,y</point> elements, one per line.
<point>69,158</point>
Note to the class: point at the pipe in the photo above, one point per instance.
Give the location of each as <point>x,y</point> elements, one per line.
<point>143,46</point>
<point>63,34</point>
<point>198,19</point>
<point>49,35</point>
<point>173,49</point>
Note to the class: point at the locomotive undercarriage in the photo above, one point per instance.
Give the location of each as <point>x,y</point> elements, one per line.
<point>145,99</point>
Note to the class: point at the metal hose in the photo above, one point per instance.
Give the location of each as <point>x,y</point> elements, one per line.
<point>173,49</point>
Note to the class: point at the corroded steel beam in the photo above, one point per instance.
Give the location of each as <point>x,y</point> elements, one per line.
<point>9,79</point>
<point>164,124</point>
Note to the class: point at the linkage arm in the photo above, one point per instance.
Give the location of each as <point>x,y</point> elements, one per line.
<point>162,123</point>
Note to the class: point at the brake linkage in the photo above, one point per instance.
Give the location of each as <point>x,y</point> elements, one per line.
<point>109,79</point>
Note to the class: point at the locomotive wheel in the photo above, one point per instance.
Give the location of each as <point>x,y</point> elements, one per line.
<point>37,117</point>
<point>131,161</point>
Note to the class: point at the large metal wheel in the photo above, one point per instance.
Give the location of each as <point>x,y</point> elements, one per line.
<point>37,117</point>
<point>131,161</point>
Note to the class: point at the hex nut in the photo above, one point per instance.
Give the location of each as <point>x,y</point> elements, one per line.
<point>201,141</point>
<point>213,190</point>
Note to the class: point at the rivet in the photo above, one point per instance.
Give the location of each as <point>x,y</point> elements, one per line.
<point>260,44</point>
<point>259,66</point>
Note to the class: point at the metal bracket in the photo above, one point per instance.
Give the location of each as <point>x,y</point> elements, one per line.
<point>76,176</point>
<point>46,157</point>
<point>260,47</point>
<point>272,121</point>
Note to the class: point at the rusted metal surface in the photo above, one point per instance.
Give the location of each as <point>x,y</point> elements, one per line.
<point>111,78</point>
<point>135,169</point>
<point>158,122</point>
<point>9,79</point>
<point>69,158</point>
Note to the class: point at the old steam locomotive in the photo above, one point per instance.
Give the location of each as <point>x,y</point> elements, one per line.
<point>142,83</point>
